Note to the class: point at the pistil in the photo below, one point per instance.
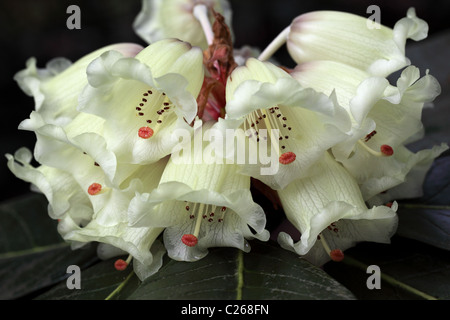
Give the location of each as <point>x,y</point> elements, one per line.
<point>204,212</point>
<point>121,264</point>
<point>336,254</point>
<point>385,150</point>
<point>200,12</point>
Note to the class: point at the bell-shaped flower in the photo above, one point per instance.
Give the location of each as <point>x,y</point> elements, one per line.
<point>353,40</point>
<point>331,216</point>
<point>385,118</point>
<point>56,87</point>
<point>67,201</point>
<point>201,202</point>
<point>141,100</point>
<point>288,127</point>
<point>89,209</point>
<point>181,19</point>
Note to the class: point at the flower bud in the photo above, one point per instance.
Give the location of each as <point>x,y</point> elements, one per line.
<point>346,38</point>
<point>160,19</point>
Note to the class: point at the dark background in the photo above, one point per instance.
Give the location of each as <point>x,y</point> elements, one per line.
<point>38,28</point>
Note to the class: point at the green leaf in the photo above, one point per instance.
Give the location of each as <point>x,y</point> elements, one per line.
<point>267,272</point>
<point>26,226</point>
<point>428,219</point>
<point>410,270</point>
<point>33,256</point>
<point>98,282</point>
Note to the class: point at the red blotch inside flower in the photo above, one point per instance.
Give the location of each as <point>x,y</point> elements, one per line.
<point>94,188</point>
<point>189,239</point>
<point>337,255</point>
<point>145,132</point>
<point>287,157</point>
<point>386,150</point>
<point>120,264</point>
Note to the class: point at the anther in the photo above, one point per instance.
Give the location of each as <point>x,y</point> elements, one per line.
<point>287,157</point>
<point>370,135</point>
<point>94,188</point>
<point>145,132</point>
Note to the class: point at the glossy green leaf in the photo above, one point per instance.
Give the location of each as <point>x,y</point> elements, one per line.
<point>32,254</point>
<point>98,282</point>
<point>267,272</point>
<point>409,270</point>
<point>428,219</point>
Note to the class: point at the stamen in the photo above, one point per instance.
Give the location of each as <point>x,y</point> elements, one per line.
<point>192,239</point>
<point>287,157</point>
<point>145,132</point>
<point>94,188</point>
<point>369,136</point>
<point>205,212</point>
<point>272,118</point>
<point>153,108</point>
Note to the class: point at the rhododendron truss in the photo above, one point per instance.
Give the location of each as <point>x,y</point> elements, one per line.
<point>153,150</point>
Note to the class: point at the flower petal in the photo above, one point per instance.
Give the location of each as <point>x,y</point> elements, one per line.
<point>56,88</point>
<point>346,38</point>
<point>159,19</point>
<point>210,201</point>
<point>314,204</point>
<point>308,122</point>
<point>151,91</point>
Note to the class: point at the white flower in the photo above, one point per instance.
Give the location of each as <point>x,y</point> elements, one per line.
<point>331,215</point>
<point>161,19</point>
<point>55,89</point>
<point>89,209</point>
<point>142,100</point>
<point>201,204</point>
<point>385,118</point>
<point>345,38</point>
<point>301,123</point>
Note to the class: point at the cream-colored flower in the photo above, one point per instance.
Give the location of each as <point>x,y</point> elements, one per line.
<point>346,38</point>
<point>331,215</point>
<point>385,119</point>
<point>140,101</point>
<point>300,124</point>
<point>161,19</point>
<point>55,89</point>
<point>201,204</point>
<point>90,209</point>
